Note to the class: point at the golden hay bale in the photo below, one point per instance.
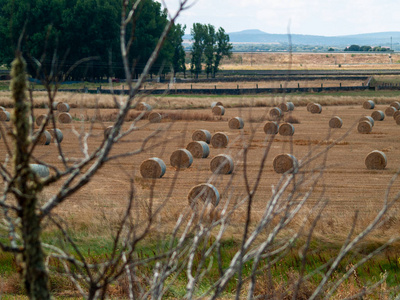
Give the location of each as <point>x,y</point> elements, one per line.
<point>285,107</point>
<point>218,103</point>
<point>364,127</point>
<point>284,163</point>
<point>369,119</point>
<point>153,168</point>
<point>309,106</point>
<point>198,149</point>
<point>205,192</point>
<point>43,139</point>
<point>56,135</point>
<point>236,123</point>
<point>40,119</point>
<point>218,110</point>
<point>397,120</point>
<point>396,105</point>
<point>143,106</point>
<point>222,164</point>
<point>315,108</point>
<point>369,104</point>
<point>390,111</point>
<point>376,160</point>
<point>286,129</point>
<point>181,159</point>
<point>40,170</point>
<point>4,116</point>
<point>335,122</point>
<point>63,107</point>
<point>55,105</point>
<point>155,117</point>
<point>219,140</point>
<point>397,113</point>
<point>107,131</point>
<point>378,115</point>
<point>64,118</point>
<point>271,127</point>
<point>202,135</point>
<point>275,113</point>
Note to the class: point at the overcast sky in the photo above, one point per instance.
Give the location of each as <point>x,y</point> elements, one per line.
<point>316,17</point>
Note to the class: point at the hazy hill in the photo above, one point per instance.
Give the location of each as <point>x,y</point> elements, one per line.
<point>255,36</point>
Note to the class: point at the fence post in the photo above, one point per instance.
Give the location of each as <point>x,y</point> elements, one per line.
<point>340,84</point>
<point>298,85</point>
<point>281,85</point>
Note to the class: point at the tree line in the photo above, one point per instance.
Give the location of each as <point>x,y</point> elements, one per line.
<point>367,48</point>
<point>59,34</point>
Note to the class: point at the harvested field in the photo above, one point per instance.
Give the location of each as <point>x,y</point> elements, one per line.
<point>347,183</point>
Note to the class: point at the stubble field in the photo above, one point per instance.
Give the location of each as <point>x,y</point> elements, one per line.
<point>346,183</point>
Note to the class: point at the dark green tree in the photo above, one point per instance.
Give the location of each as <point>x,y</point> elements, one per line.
<point>209,47</point>
<point>176,40</point>
<point>199,33</point>
<point>58,33</point>
<point>223,48</point>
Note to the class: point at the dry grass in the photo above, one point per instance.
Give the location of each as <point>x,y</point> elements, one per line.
<point>310,61</point>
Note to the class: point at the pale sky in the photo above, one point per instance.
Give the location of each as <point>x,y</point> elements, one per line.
<point>315,17</point>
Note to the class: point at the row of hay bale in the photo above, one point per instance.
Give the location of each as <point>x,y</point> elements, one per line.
<point>48,136</point>
<point>63,117</point>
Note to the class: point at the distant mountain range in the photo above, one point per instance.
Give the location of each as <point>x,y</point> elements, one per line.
<point>255,36</point>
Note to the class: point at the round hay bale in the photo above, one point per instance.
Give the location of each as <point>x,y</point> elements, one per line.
<point>284,163</point>
<point>285,107</point>
<point>364,127</point>
<point>397,113</point>
<point>219,140</point>
<point>155,117</point>
<point>315,108</point>
<point>55,105</point>
<point>376,160</point>
<point>107,131</point>
<point>397,120</point>
<point>218,110</point>
<point>335,122</point>
<point>40,170</point>
<point>181,159</point>
<point>286,129</point>
<point>202,135</point>
<point>143,106</point>
<point>4,116</point>
<point>396,105</point>
<point>64,118</point>
<point>309,106</point>
<point>63,107</point>
<point>236,123</point>
<point>271,127</point>
<point>153,168</point>
<point>275,113</point>
<point>369,119</point>
<point>369,104</point>
<point>56,135</point>
<point>43,139</point>
<point>198,149</point>
<point>390,111</point>
<point>205,192</point>
<point>40,119</point>
<point>378,115</point>
<point>222,164</point>
<point>218,103</point>
<point>2,108</point>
